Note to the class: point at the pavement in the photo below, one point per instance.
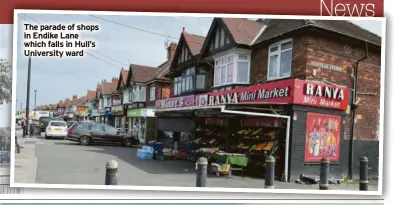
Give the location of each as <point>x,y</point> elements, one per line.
<point>58,161</point>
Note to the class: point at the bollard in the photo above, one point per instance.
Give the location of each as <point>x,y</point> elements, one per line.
<point>324,174</point>
<point>111,173</point>
<point>201,172</point>
<point>269,175</point>
<point>363,174</point>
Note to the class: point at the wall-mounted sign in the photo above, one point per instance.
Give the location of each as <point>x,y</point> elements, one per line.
<point>321,95</point>
<point>117,110</point>
<point>134,112</point>
<point>116,101</point>
<point>82,108</point>
<point>290,91</point>
<point>179,102</point>
<point>274,92</point>
<point>326,66</point>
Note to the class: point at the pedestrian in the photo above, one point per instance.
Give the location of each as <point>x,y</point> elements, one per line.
<point>23,127</point>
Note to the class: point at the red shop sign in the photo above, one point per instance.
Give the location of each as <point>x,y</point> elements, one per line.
<point>274,92</point>
<point>320,95</point>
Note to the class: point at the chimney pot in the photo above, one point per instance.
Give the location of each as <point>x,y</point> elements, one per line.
<point>171,50</point>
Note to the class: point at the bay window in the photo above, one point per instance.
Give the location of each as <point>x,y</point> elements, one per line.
<point>280,60</point>
<point>152,93</point>
<point>191,80</point>
<point>232,68</point>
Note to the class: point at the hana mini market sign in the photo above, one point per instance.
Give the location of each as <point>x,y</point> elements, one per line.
<point>291,91</point>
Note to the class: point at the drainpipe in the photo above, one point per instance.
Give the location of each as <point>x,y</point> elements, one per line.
<point>354,107</point>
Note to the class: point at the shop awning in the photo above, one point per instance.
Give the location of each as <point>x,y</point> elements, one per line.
<point>176,124</point>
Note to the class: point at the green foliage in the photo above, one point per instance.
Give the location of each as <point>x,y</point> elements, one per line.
<point>5,81</point>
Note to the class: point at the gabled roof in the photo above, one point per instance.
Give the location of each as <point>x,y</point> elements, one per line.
<point>278,27</point>
<point>238,32</point>
<point>81,101</point>
<point>140,73</point>
<point>194,42</point>
<point>108,88</point>
<point>123,76</point>
<point>91,94</point>
<point>243,30</point>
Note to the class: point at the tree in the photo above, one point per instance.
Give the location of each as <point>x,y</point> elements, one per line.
<point>5,81</point>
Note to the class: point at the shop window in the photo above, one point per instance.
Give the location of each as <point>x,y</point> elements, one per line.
<point>232,68</point>
<point>280,60</point>
<point>152,93</point>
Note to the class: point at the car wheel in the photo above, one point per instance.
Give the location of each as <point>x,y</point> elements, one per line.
<point>84,140</point>
<point>127,143</point>
<point>46,136</point>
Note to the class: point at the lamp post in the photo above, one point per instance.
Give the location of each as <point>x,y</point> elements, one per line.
<point>35,99</point>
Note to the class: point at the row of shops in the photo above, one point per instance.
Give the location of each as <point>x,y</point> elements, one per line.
<point>296,121</point>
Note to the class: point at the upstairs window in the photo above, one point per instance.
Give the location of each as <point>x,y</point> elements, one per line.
<point>233,68</point>
<point>190,81</point>
<point>280,60</point>
<point>152,93</point>
<point>177,86</point>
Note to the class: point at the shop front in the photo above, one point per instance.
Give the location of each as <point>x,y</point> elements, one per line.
<point>101,118</point>
<point>297,118</point>
<point>81,113</point>
<point>93,115</point>
<point>142,123</point>
<point>292,117</point>
<point>118,112</point>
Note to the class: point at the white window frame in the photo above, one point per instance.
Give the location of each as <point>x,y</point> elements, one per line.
<point>217,68</point>
<point>152,93</point>
<point>278,52</point>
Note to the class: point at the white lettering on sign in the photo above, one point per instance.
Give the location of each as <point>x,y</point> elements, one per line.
<point>325,91</point>
<point>326,66</point>
<point>232,98</point>
<point>172,103</point>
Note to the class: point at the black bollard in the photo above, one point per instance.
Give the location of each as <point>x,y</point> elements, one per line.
<point>324,174</point>
<point>363,174</point>
<point>111,173</point>
<point>201,172</point>
<point>269,175</point>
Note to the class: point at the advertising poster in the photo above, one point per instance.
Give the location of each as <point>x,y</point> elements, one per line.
<point>322,137</point>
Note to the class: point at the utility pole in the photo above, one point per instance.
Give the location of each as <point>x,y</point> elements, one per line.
<point>28,95</point>
<point>35,99</point>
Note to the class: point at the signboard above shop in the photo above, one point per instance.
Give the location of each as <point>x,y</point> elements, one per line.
<point>178,102</point>
<point>291,91</point>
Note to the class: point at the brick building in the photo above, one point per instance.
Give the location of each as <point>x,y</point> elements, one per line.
<point>293,78</point>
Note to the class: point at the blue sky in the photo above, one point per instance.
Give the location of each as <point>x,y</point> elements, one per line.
<point>57,79</point>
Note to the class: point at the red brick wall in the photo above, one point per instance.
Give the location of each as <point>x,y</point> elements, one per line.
<point>162,91</point>
<point>259,59</point>
<point>330,49</point>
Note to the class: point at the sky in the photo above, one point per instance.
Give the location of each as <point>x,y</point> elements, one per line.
<point>118,46</point>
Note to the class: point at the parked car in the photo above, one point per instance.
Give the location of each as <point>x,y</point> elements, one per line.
<point>43,123</point>
<point>87,133</point>
<point>71,123</point>
<point>56,129</point>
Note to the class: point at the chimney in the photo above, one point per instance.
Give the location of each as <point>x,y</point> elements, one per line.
<point>75,97</point>
<point>114,80</point>
<point>171,49</point>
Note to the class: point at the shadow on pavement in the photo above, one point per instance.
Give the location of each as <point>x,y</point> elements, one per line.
<point>150,166</point>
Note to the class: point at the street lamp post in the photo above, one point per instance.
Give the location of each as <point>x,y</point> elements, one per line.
<point>35,99</point>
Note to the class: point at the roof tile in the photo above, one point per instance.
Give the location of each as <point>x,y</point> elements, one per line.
<point>243,30</point>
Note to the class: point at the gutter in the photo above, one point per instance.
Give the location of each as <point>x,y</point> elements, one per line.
<point>354,107</point>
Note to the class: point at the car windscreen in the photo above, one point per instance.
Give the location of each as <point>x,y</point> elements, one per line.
<point>58,124</point>
<point>44,119</point>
